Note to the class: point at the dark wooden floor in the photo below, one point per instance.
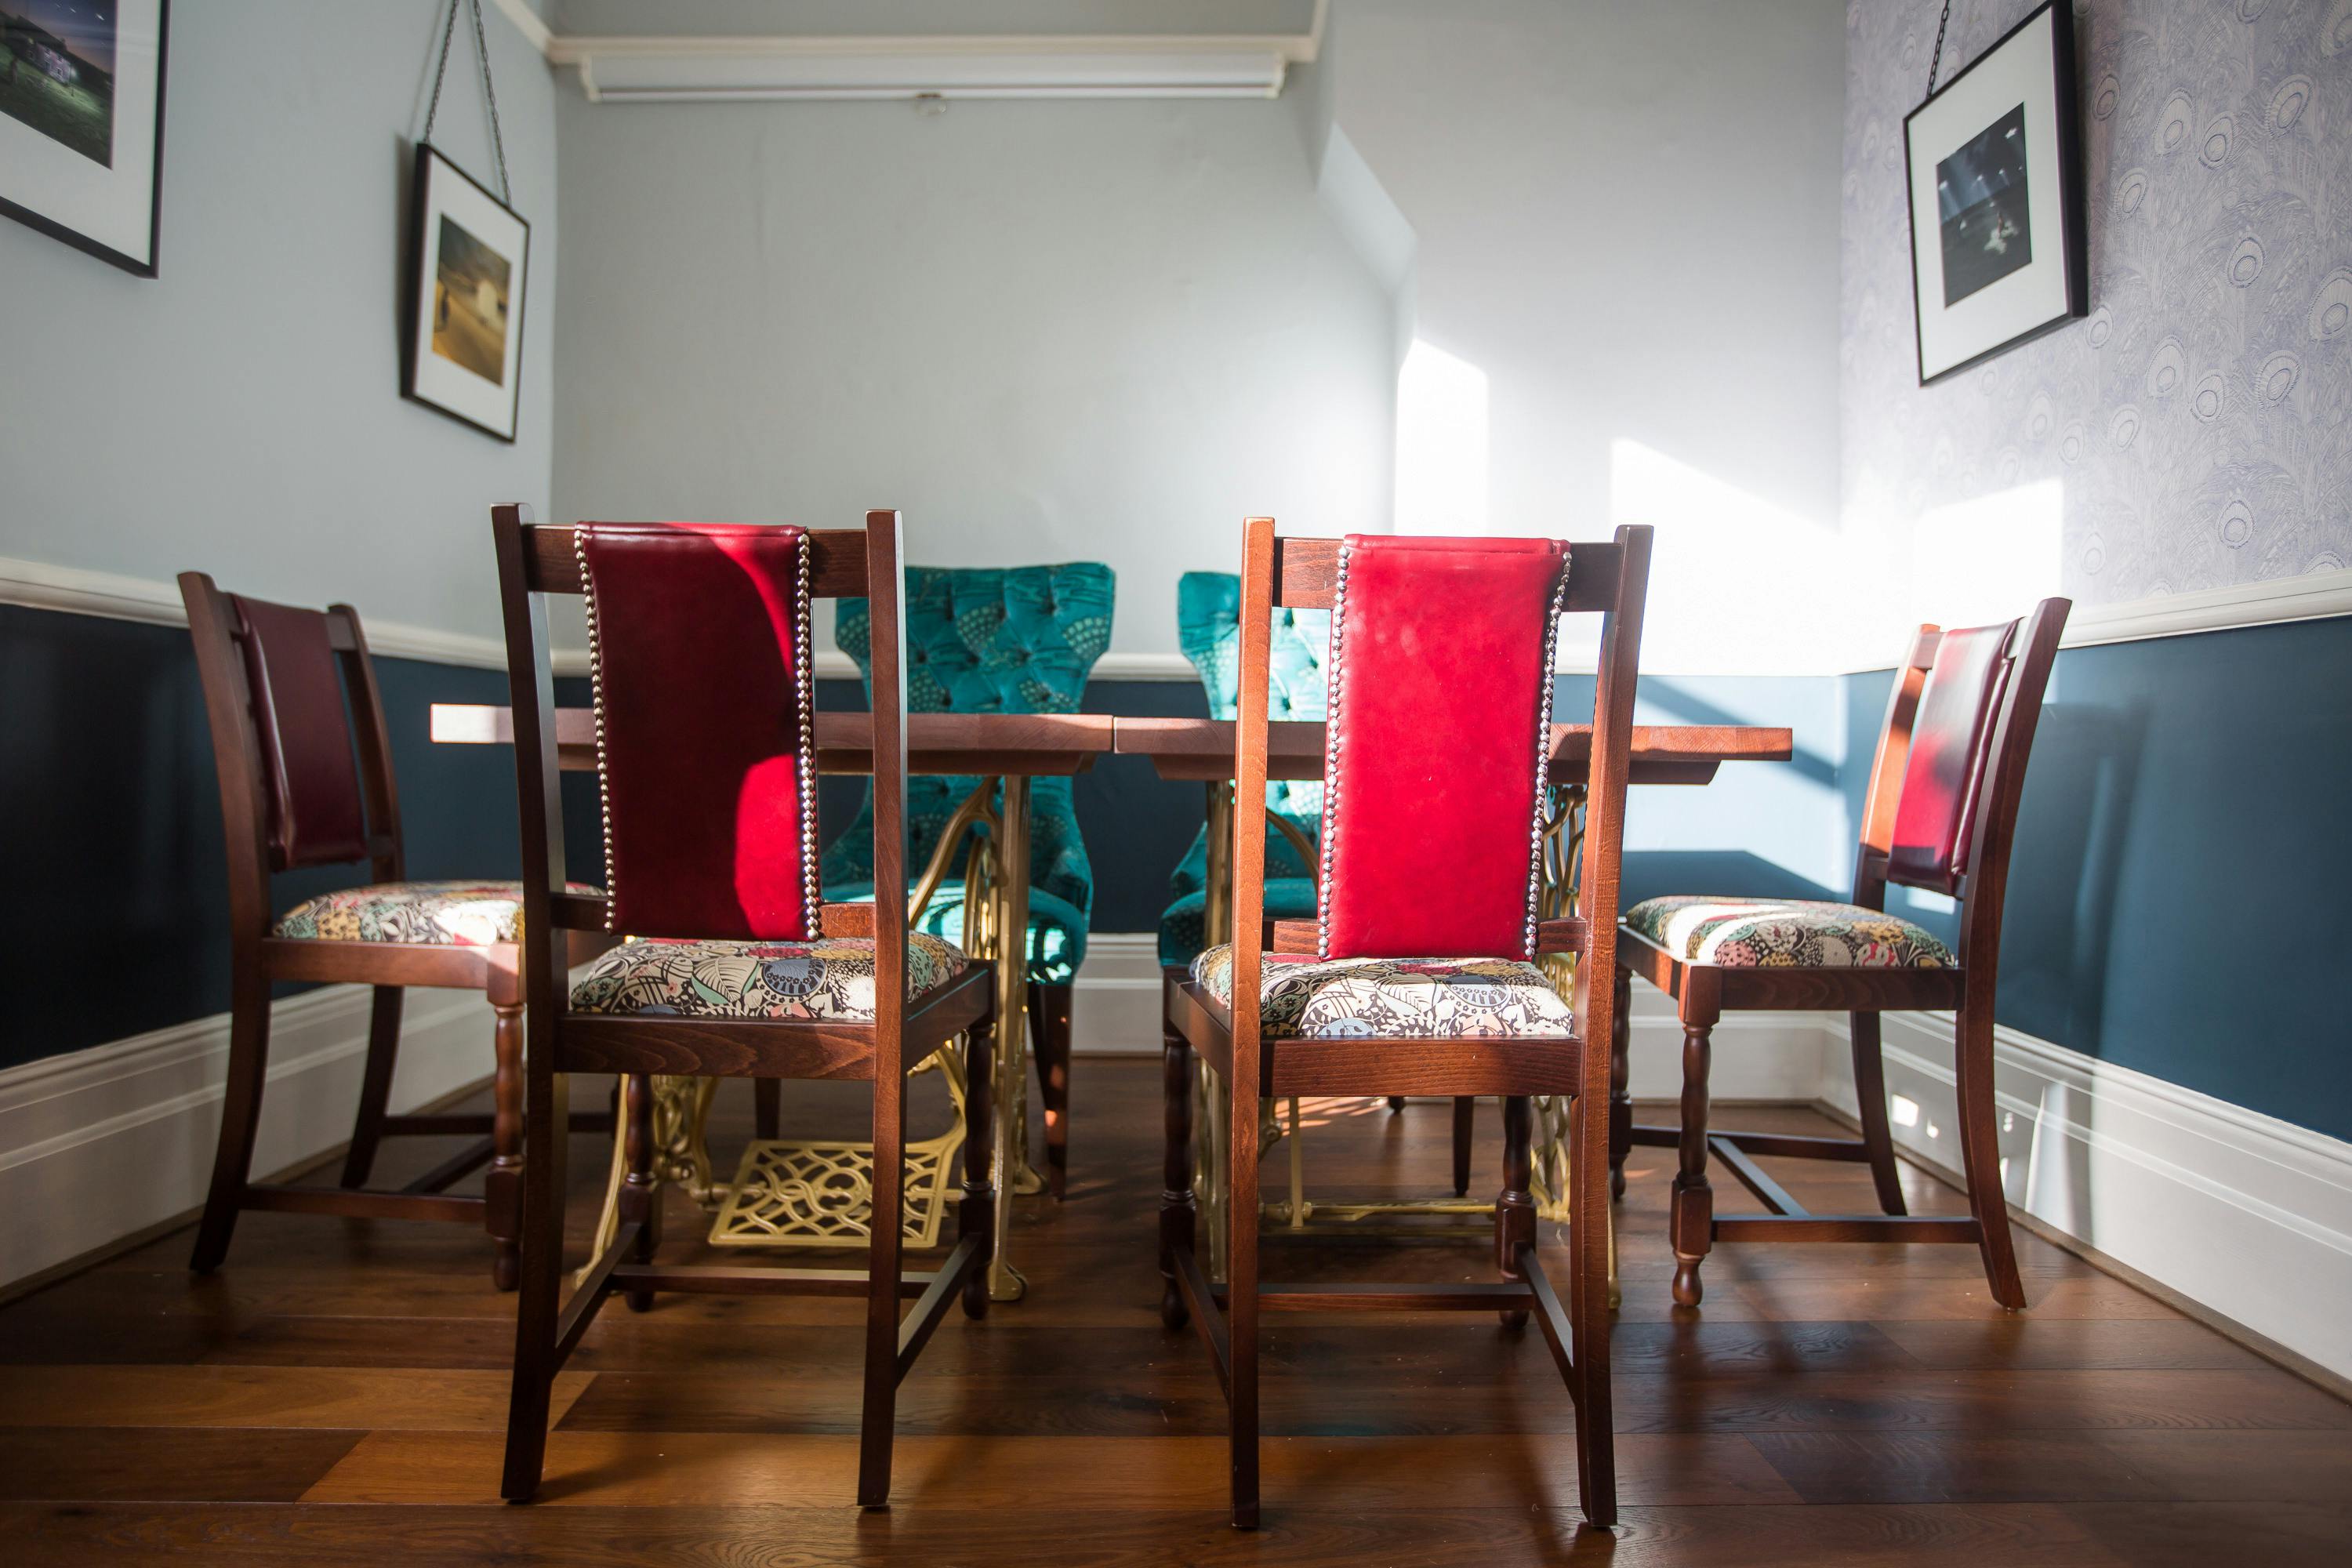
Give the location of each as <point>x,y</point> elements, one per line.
<point>336,1394</point>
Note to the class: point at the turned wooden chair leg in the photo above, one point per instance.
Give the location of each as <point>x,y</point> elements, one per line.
<point>1049,1037</point>
<point>540,1300</point>
<point>1588,1306</point>
<point>1980,1155</point>
<point>1241,1319</point>
<point>248,1069</point>
<point>640,1200</point>
<point>1693,1214</point>
<point>767,1107</point>
<point>886,1234</point>
<point>502,1183</point>
<point>1870,1096</point>
<point>375,1085</point>
<point>977,1217</point>
<point>1515,1206</point>
<point>1620,1071</point>
<point>1178,1209</point>
<point>1466,1134</point>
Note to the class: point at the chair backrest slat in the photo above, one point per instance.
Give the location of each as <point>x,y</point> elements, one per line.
<point>299,743</point>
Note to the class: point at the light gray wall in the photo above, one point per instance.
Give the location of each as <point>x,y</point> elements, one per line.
<point>1046,331</point>
<point>242,412</point>
<point>2198,426</point>
<point>1627,218</point>
<point>903,17</point>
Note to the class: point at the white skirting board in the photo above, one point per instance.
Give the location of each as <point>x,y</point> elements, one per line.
<point>101,1143</point>
<point>2249,1216</point>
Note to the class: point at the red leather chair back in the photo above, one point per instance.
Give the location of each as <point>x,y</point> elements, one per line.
<point>1438,734</point>
<point>1949,765</point>
<point>705,727</point>
<point>303,726</point>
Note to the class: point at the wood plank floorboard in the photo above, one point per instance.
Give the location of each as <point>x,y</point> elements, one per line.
<point>336,1394</point>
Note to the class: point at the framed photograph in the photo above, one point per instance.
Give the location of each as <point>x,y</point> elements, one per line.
<point>1996,166</point>
<point>468,252</point>
<point>81,123</point>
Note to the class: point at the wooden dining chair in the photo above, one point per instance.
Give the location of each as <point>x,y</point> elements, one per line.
<point>706,756</point>
<point>1419,976</point>
<point>306,780</point>
<point>1940,816</point>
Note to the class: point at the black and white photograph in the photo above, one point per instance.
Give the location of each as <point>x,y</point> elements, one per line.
<point>81,122</point>
<point>469,253</point>
<point>1997,235</point>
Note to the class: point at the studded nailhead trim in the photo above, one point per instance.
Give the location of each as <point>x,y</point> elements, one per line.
<point>596,693</point>
<point>1331,757</point>
<point>804,681</point>
<point>1543,750</point>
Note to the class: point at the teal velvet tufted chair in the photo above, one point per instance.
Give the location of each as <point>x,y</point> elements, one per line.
<point>1208,628</point>
<point>1016,640</point>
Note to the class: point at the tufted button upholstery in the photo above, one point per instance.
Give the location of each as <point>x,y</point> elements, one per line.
<point>1018,640</point>
<point>1208,628</point>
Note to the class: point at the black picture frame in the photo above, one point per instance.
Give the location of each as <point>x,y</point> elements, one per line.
<point>431,167</point>
<point>2072,254</point>
<point>138,267</point>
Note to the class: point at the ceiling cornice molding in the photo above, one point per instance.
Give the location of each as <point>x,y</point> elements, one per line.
<point>674,68</point>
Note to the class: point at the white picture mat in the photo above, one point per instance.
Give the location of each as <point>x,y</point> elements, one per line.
<point>443,380</point>
<point>2022,71</point>
<point>115,207</point>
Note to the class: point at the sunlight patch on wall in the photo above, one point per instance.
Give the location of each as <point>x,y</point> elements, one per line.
<point>1739,585</point>
<point>1441,443</point>
<point>1991,558</point>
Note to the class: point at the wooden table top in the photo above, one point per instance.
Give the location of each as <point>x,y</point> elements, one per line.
<point>1034,744</point>
<point>1057,745</point>
<point>1663,753</point>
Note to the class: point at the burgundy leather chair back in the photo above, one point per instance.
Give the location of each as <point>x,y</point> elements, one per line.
<point>705,727</point>
<point>303,727</point>
<point>1947,768</point>
<point>1438,734</point>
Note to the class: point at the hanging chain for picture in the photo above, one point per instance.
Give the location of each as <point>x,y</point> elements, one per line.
<point>489,93</point>
<point>1935,61</point>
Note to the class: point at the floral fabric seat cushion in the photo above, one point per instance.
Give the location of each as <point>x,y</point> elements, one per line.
<point>1786,933</point>
<point>828,981</point>
<point>447,914</point>
<point>1341,998</point>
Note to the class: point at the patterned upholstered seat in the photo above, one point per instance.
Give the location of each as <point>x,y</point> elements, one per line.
<point>455,914</point>
<point>1208,626</point>
<point>1341,998</point>
<point>830,980</point>
<point>989,640</point>
<point>1786,933</point>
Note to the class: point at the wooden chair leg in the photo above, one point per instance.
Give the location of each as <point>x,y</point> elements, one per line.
<point>540,1299</point>
<point>1870,1096</point>
<point>977,1217</point>
<point>1980,1155</point>
<point>502,1183</point>
<point>1620,1099</point>
<point>248,1068</point>
<point>1692,1221</point>
<point>1588,1241</point>
<point>1466,1132</point>
<point>1178,1209</point>
<point>767,1107</point>
<point>1241,1319</point>
<point>1049,1037</point>
<point>886,1231</point>
<point>640,1200</point>
<point>1515,1206</point>
<point>375,1086</point>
